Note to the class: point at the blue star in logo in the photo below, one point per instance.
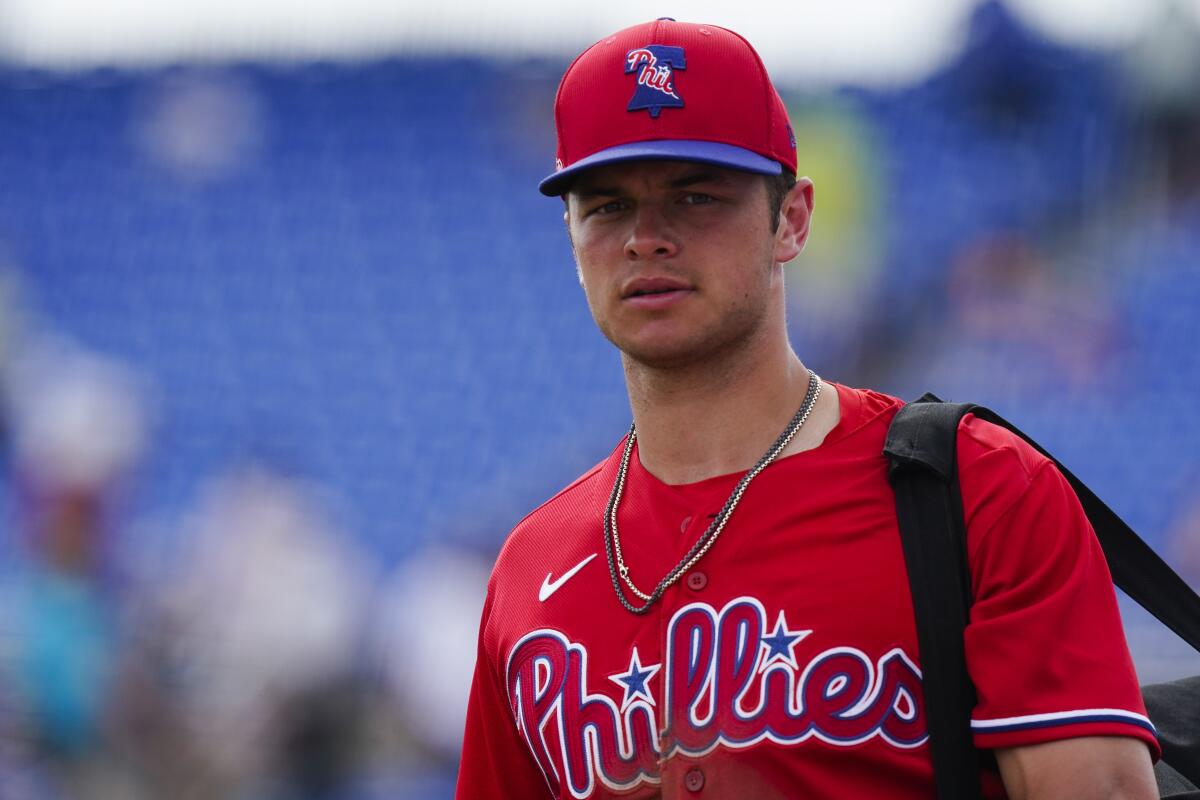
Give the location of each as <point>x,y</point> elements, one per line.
<point>781,644</point>
<point>634,680</point>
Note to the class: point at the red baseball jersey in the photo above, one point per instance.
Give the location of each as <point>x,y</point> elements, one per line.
<point>785,664</point>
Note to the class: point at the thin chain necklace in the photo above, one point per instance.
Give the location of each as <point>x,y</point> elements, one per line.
<point>617,568</point>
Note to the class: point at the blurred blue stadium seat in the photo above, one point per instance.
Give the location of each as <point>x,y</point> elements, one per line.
<point>377,297</point>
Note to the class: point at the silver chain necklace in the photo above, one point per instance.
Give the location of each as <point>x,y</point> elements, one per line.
<point>617,567</point>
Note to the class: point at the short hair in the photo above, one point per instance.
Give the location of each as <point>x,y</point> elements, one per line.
<point>778,187</point>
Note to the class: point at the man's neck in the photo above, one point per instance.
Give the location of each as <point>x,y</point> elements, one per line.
<point>720,417</point>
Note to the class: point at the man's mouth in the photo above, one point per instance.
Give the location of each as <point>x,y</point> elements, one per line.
<point>654,287</point>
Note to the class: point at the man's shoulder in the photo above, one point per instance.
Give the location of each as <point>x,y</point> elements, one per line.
<point>995,466</point>
<point>863,411</point>
<point>986,447</point>
<point>999,472</point>
<point>981,446</point>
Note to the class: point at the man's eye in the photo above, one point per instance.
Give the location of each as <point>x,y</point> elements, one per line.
<point>698,199</point>
<point>611,207</point>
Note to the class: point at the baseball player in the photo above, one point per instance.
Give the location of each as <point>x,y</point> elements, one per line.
<point>720,608</point>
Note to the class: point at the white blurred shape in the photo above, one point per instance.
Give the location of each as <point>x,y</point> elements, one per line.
<point>270,604</point>
<point>1091,23</point>
<point>428,621</point>
<point>1166,63</point>
<point>857,41</point>
<point>79,419</point>
<point>201,125</point>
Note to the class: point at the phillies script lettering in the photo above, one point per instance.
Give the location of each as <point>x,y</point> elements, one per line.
<point>649,71</point>
<point>655,66</point>
<point>728,679</point>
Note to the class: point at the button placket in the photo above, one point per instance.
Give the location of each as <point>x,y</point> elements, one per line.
<point>696,580</point>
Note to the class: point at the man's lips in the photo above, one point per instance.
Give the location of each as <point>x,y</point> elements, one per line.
<point>649,287</point>
<point>654,293</point>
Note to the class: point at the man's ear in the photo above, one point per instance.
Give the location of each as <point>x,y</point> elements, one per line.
<point>566,200</point>
<point>795,215</point>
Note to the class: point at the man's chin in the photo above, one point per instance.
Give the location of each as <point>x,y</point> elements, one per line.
<point>670,346</point>
<point>667,355</point>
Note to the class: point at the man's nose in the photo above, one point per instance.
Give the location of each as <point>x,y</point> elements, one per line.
<point>651,235</point>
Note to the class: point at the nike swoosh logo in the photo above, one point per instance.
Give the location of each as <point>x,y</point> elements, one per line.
<point>549,587</point>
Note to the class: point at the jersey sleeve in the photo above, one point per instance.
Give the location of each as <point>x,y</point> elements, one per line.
<point>1045,646</point>
<point>496,763</point>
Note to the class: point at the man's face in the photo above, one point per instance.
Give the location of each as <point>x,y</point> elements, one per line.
<point>678,260</point>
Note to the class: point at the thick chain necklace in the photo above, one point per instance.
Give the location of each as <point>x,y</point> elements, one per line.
<point>617,567</point>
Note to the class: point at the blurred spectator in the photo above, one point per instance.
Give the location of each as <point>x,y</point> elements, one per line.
<point>79,421</point>
<point>265,621</point>
<point>1016,326</point>
<point>78,425</point>
<point>426,636</point>
<point>1163,95</point>
<point>1003,290</point>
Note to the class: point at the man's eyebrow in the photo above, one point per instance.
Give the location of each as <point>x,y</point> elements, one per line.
<point>699,176</point>
<point>588,191</point>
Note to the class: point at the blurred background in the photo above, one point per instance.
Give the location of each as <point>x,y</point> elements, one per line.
<point>289,340</point>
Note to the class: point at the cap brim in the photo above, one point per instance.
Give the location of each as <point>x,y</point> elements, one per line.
<point>724,155</point>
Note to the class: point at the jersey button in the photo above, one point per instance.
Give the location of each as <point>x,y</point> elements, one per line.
<point>696,581</point>
<point>694,780</point>
<point>683,526</point>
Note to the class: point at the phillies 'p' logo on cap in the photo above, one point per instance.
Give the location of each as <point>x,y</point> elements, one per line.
<point>654,65</point>
<point>733,116</point>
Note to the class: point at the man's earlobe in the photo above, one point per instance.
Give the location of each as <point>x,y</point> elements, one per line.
<point>567,225</point>
<point>795,218</point>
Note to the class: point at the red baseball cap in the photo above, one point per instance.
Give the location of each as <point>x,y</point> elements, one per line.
<point>669,90</point>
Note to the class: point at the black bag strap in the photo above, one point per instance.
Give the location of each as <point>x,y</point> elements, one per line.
<point>921,448</point>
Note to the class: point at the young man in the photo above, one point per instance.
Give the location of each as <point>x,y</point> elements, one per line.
<point>721,608</point>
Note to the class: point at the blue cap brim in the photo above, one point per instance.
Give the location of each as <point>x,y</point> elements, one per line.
<point>724,155</point>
